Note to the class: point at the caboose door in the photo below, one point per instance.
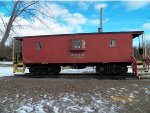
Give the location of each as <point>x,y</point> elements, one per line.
<point>17,51</point>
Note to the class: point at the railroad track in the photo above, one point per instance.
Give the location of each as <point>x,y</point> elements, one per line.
<point>80,75</point>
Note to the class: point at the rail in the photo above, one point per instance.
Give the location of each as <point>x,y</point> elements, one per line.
<point>148,61</point>
<point>134,66</point>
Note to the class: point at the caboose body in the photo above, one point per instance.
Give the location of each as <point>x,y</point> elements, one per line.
<point>110,52</point>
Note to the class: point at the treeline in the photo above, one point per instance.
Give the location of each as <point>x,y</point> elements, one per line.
<point>6,53</point>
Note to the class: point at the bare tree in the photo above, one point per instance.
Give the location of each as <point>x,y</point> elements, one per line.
<point>26,9</point>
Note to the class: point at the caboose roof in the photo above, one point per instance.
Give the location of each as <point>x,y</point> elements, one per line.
<point>134,34</point>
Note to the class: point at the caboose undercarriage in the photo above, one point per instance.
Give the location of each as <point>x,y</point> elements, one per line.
<point>101,68</point>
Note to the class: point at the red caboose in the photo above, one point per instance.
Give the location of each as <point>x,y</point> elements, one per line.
<point>110,52</point>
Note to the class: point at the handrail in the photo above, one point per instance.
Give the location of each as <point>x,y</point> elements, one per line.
<point>148,61</point>
<point>134,66</point>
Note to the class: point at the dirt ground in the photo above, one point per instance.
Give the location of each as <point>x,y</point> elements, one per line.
<point>62,95</point>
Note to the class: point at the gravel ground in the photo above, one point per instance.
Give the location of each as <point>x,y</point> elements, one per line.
<point>62,95</point>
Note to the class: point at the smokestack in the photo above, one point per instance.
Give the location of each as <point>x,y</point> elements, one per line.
<point>100,28</point>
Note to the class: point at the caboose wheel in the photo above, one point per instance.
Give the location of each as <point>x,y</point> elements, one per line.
<point>107,70</point>
<point>38,70</point>
<point>58,69</point>
<point>113,70</point>
<point>51,70</point>
<point>100,70</point>
<point>123,70</point>
<point>54,70</point>
<point>32,70</point>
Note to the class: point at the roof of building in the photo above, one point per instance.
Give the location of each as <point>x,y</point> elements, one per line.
<point>134,34</point>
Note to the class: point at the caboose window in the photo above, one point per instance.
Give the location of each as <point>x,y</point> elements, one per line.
<point>112,42</point>
<point>38,45</point>
<point>83,44</point>
<point>77,43</point>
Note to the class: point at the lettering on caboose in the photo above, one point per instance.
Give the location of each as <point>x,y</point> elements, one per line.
<point>78,55</point>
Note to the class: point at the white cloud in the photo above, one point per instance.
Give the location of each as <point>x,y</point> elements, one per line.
<point>75,19</point>
<point>134,5</point>
<point>147,37</point>
<point>146,26</point>
<point>55,9</point>
<point>37,28</point>
<point>83,5</point>
<point>98,6</point>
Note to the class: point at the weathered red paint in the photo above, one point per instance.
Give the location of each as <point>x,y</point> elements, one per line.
<point>56,48</point>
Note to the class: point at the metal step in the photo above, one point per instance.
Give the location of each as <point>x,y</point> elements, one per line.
<point>140,62</point>
<point>19,67</point>
<point>143,74</point>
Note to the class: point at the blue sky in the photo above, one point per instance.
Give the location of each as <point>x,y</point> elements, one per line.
<point>117,15</point>
<point>83,16</point>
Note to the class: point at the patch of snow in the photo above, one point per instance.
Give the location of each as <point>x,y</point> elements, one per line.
<point>136,92</point>
<point>113,89</point>
<point>68,103</point>
<point>45,96</point>
<point>65,99</point>
<point>17,95</point>
<point>55,109</point>
<point>28,108</point>
<point>8,71</point>
<point>129,69</point>
<point>113,109</point>
<point>131,94</point>
<point>88,109</point>
<point>39,109</point>
<point>3,62</point>
<point>123,88</point>
<point>135,85</point>
<point>73,108</point>
<point>42,102</point>
<point>25,109</point>
<point>85,70</point>
<point>50,103</point>
<point>145,88</point>
<point>147,92</point>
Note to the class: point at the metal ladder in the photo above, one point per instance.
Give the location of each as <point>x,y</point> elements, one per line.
<point>145,69</point>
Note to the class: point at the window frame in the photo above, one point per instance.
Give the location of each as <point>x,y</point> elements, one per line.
<point>77,43</point>
<point>112,43</point>
<point>81,43</point>
<point>38,45</point>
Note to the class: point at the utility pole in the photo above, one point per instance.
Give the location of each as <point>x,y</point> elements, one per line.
<point>100,28</point>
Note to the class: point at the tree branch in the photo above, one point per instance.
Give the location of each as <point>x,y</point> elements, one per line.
<point>24,9</point>
<point>3,4</point>
<point>1,31</point>
<point>14,31</point>
<point>38,19</point>
<point>42,13</point>
<point>4,24</point>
